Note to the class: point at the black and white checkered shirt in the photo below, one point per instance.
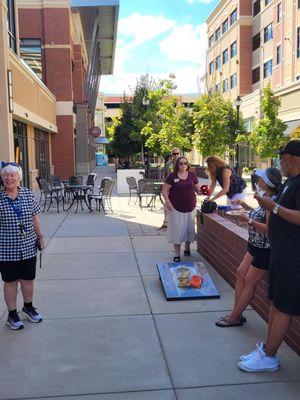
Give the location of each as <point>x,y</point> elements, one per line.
<point>14,246</point>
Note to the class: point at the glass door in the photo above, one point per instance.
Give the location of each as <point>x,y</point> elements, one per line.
<point>42,153</point>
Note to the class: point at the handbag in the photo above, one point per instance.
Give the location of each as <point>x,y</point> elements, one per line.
<point>208,207</point>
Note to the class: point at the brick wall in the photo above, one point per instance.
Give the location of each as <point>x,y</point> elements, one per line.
<point>224,245</point>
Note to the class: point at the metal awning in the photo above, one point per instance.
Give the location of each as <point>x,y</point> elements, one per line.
<point>99,20</point>
<point>101,140</point>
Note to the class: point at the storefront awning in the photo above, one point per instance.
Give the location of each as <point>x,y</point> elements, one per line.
<point>101,140</point>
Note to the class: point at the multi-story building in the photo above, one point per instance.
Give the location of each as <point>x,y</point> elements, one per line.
<point>54,53</point>
<point>252,43</point>
<point>27,106</point>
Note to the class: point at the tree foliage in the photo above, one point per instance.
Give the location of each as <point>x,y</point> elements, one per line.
<point>295,135</point>
<point>268,134</point>
<point>215,121</point>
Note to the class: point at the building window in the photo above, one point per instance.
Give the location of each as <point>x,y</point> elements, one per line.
<point>298,3</point>
<point>268,66</point>
<point>267,2</point>
<point>298,42</point>
<point>11,25</point>
<point>279,12</point>
<point>217,88</point>
<point>218,62</point>
<point>225,85</point>
<point>255,75</point>
<point>225,26</point>
<point>278,54</point>
<point>233,17</point>
<point>256,7</point>
<point>268,33</point>
<point>298,77</point>
<point>233,50</point>
<point>225,56</point>
<point>256,41</point>
<point>31,52</point>
<point>211,68</point>
<point>211,40</point>
<point>233,81</point>
<point>218,34</point>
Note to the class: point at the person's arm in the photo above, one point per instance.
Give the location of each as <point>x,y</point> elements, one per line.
<point>226,174</point>
<point>212,185</point>
<point>243,204</point>
<point>165,193</point>
<point>291,216</point>
<point>261,227</point>
<point>38,230</point>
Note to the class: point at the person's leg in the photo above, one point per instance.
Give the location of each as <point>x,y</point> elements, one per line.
<point>187,246</point>
<point>177,250</point>
<point>280,325</point>
<point>253,277</point>
<point>10,294</point>
<point>240,277</point>
<point>27,288</point>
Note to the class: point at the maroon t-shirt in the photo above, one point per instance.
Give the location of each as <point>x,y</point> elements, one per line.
<point>182,193</point>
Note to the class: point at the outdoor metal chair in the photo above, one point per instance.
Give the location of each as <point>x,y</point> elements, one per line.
<point>38,179</point>
<point>132,185</point>
<point>72,181</point>
<point>104,194</point>
<point>147,190</point>
<point>51,195</point>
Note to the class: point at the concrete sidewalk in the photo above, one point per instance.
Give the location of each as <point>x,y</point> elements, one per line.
<point>108,332</point>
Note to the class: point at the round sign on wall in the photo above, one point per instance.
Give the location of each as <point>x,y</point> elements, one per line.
<point>95,131</point>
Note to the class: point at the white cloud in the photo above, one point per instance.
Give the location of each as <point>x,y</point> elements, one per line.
<point>186,43</point>
<point>144,27</point>
<point>200,1</point>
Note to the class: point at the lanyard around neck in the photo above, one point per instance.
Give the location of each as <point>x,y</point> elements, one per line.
<point>17,210</point>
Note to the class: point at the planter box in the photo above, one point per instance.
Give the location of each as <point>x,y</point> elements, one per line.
<point>224,244</point>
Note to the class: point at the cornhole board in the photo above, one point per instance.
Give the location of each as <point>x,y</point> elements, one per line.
<point>168,274</point>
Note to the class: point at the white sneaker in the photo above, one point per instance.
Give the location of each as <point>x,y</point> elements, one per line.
<point>259,362</point>
<point>246,357</point>
<point>14,322</point>
<point>261,346</point>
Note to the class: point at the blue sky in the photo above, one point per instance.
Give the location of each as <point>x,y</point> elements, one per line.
<point>160,37</point>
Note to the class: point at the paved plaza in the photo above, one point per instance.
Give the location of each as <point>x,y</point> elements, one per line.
<point>108,332</point>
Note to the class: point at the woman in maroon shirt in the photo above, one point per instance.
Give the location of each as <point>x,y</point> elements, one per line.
<point>179,193</point>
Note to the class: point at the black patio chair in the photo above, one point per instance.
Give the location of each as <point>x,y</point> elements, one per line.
<point>38,180</point>
<point>104,194</point>
<point>132,185</point>
<point>51,195</point>
<point>147,190</point>
<point>72,181</point>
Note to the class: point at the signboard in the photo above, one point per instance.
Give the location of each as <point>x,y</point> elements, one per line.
<point>170,277</point>
<point>101,160</point>
<point>95,131</point>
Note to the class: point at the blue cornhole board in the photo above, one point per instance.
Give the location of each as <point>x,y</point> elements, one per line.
<point>169,272</point>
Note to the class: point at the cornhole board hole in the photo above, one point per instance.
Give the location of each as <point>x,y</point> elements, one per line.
<point>169,272</point>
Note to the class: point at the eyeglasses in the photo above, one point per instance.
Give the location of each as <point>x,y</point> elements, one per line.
<point>183,163</point>
<point>175,154</point>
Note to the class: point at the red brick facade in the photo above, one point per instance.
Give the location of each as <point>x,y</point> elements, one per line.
<point>60,71</point>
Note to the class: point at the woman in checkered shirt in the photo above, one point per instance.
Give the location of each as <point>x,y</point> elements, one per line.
<point>19,230</point>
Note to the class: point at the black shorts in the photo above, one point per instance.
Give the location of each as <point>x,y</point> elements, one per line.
<point>14,270</point>
<point>261,257</point>
<point>284,288</point>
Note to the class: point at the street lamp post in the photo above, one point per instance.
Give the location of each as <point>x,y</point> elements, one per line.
<point>237,103</point>
<point>145,151</point>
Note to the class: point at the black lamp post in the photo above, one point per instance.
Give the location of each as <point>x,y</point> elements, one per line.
<point>237,103</point>
<point>145,103</point>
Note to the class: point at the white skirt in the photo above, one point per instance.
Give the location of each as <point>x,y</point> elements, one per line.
<point>181,227</point>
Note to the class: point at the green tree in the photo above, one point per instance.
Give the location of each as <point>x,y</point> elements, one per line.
<point>295,135</point>
<point>215,125</point>
<point>268,135</point>
<point>120,132</point>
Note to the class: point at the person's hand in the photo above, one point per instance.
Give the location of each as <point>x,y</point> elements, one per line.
<point>238,202</point>
<point>42,242</point>
<point>265,202</point>
<point>244,217</point>
<point>169,205</point>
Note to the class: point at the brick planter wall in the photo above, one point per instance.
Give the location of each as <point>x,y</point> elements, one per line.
<point>224,245</point>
